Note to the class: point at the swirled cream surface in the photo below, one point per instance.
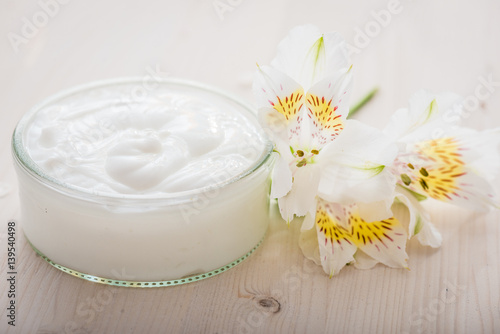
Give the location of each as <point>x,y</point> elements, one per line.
<point>164,140</point>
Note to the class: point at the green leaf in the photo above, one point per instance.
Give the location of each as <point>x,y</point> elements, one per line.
<point>361,103</point>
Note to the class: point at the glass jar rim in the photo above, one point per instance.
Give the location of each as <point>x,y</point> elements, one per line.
<point>23,158</point>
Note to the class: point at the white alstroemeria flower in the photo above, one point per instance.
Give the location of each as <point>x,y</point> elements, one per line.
<point>343,236</point>
<point>303,104</point>
<point>346,177</point>
<point>440,160</point>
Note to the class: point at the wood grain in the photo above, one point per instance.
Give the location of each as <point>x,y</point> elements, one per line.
<point>443,46</point>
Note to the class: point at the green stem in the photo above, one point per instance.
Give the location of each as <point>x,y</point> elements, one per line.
<point>355,108</point>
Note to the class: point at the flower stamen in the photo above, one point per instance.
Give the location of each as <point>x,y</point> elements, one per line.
<point>424,184</point>
<point>406,179</point>
<point>424,172</point>
<point>302,163</point>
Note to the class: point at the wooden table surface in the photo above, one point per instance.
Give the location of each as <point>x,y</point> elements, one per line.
<point>50,45</point>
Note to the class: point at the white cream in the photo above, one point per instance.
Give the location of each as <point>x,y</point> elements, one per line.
<point>158,188</point>
<point>168,143</point>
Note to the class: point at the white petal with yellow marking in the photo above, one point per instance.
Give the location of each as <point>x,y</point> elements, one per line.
<point>438,168</point>
<point>335,247</point>
<point>327,107</point>
<point>384,241</point>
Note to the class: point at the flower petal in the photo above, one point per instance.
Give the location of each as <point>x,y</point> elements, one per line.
<point>480,150</point>
<point>426,113</point>
<point>306,55</point>
<point>384,241</point>
<point>281,179</point>
<point>425,106</point>
<point>361,146</point>
<point>438,168</point>
<point>308,243</point>
<point>335,247</point>
<point>375,210</point>
<point>327,105</point>
<point>274,124</point>
<point>428,234</point>
<point>363,261</point>
<point>301,199</point>
<point>308,222</point>
<point>354,166</point>
<point>343,184</point>
<point>274,88</point>
<point>278,93</point>
<point>419,223</point>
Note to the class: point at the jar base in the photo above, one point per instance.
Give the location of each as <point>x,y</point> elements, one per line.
<point>145,284</point>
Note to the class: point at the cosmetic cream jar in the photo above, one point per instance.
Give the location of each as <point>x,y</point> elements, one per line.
<point>143,183</point>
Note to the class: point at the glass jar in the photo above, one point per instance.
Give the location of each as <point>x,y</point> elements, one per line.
<point>137,238</point>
